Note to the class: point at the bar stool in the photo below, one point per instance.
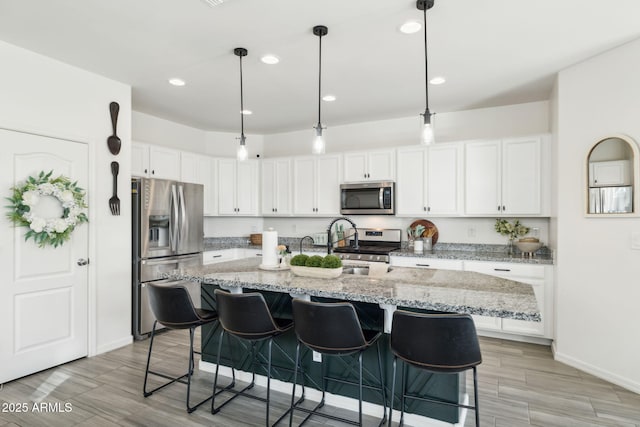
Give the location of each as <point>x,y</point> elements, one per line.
<point>247,316</point>
<point>333,329</point>
<point>442,343</point>
<point>173,308</point>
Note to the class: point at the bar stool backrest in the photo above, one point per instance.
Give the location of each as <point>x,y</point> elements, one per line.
<point>245,315</point>
<point>330,328</point>
<point>435,342</point>
<point>172,306</point>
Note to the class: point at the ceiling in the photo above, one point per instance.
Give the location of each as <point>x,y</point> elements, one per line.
<point>492,52</point>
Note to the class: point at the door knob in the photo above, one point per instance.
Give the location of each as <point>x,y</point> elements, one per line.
<point>83,261</point>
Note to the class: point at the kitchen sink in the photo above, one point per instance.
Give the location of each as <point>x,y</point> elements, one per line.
<point>361,271</point>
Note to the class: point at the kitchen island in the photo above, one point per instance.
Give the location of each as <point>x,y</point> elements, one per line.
<point>375,298</point>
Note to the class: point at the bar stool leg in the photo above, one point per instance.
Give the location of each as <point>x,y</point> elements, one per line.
<point>295,379</point>
<point>404,386</point>
<point>215,380</point>
<point>269,380</point>
<point>382,385</point>
<point>475,395</point>
<point>146,372</point>
<point>393,389</point>
<point>360,388</point>
<point>191,367</point>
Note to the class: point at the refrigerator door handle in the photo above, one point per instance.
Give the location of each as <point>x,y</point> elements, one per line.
<point>173,224</point>
<point>184,224</point>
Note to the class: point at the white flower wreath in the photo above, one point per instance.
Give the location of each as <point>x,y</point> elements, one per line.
<point>48,231</point>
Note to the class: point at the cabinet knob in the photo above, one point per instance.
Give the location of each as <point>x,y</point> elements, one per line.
<point>428,208</point>
<point>153,171</point>
<point>498,208</point>
<point>145,171</point>
<point>424,208</point>
<point>503,208</point>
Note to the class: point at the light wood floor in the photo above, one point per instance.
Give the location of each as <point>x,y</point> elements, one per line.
<point>520,385</point>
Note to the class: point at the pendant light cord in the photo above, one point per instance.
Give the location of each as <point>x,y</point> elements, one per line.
<point>426,63</point>
<point>319,81</point>
<point>241,104</point>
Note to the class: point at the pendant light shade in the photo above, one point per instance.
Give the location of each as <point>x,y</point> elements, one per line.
<point>242,153</point>
<point>318,142</point>
<point>427,137</point>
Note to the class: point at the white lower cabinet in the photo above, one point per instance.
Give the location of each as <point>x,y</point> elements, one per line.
<point>540,277</point>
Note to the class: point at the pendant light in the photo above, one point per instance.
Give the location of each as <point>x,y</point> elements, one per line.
<point>242,153</point>
<point>427,137</point>
<point>318,142</point>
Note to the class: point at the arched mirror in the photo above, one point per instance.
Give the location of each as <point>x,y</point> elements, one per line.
<point>611,176</point>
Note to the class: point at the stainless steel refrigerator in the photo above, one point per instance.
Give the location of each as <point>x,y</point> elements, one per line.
<point>167,228</point>
<point>611,199</point>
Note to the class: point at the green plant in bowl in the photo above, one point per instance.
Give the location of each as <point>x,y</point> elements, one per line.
<point>331,261</point>
<point>299,260</point>
<point>314,261</point>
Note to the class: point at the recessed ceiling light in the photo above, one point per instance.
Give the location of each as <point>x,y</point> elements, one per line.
<point>329,98</point>
<point>410,27</point>
<point>270,59</point>
<point>437,80</point>
<point>247,112</point>
<point>177,82</point>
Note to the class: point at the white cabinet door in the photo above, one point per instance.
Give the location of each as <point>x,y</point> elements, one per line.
<point>521,180</point>
<point>410,181</point>
<point>304,181</point>
<point>328,178</point>
<point>139,160</point>
<point>482,178</point>
<point>227,186</point>
<point>316,185</point>
<point>200,169</point>
<point>276,187</point>
<point>237,187</point>
<point>369,166</point>
<point>247,186</point>
<point>616,172</point>
<point>164,163</point>
<point>355,167</point>
<point>443,179</point>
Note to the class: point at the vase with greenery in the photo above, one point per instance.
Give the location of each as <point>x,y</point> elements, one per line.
<point>512,230</point>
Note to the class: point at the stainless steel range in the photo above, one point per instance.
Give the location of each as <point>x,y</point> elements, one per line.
<point>374,244</point>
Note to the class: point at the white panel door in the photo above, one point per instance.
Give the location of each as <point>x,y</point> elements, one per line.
<point>521,176</point>
<point>43,291</point>
<point>482,178</point>
<point>381,165</point>
<point>283,187</point>
<point>442,180</point>
<point>410,183</point>
<point>328,179</point>
<point>227,187</point>
<point>355,167</point>
<point>304,181</point>
<point>164,163</point>
<point>247,187</point>
<point>139,160</point>
<point>268,181</point>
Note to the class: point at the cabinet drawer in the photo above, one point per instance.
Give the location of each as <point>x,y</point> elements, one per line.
<point>420,262</point>
<point>487,323</point>
<point>506,269</point>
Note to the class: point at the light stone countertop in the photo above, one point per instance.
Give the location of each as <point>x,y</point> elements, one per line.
<point>442,290</point>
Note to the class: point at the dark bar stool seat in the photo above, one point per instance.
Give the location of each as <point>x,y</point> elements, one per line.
<point>247,316</point>
<point>442,343</point>
<point>173,308</point>
<point>333,329</point>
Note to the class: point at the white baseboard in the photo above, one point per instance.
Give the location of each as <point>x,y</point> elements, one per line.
<point>596,371</point>
<point>113,345</point>
<point>515,337</point>
<point>343,402</point>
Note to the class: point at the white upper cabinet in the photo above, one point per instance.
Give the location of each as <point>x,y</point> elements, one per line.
<point>276,187</point>
<point>611,173</point>
<point>151,161</point>
<point>378,165</point>
<point>316,185</point>
<point>506,177</point>
<point>428,180</point>
<point>201,169</point>
<point>238,187</point>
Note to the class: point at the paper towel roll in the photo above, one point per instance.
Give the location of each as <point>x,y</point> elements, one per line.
<point>269,251</point>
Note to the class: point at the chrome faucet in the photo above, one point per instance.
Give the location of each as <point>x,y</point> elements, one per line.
<point>355,235</point>
<point>302,240</point>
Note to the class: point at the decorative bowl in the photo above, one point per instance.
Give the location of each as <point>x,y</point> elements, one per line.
<point>528,246</point>
<point>316,272</point>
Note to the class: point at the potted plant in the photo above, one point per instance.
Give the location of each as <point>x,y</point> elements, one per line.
<point>513,231</point>
<point>328,267</point>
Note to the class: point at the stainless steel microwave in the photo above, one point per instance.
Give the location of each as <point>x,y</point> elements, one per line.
<point>368,198</point>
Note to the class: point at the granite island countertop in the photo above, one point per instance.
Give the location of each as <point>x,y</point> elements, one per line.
<point>429,289</point>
